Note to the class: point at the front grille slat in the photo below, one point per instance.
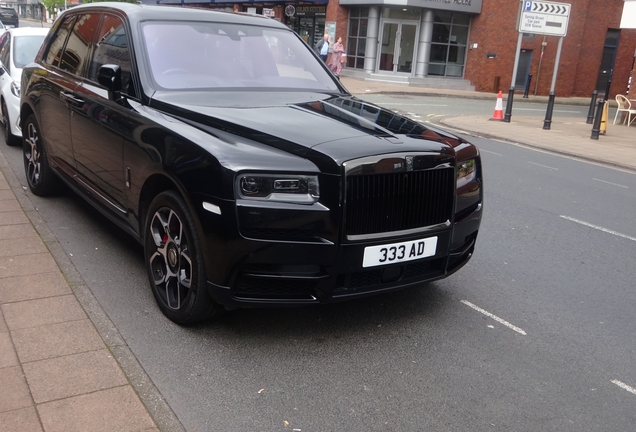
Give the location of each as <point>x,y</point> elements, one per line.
<point>378,203</point>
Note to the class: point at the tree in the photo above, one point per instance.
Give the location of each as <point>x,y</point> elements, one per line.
<point>50,5</point>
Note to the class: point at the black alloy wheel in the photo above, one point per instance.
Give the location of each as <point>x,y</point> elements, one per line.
<point>41,180</point>
<point>174,261</point>
<point>9,138</point>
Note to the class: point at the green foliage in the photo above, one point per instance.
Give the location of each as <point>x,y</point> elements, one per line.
<point>50,5</point>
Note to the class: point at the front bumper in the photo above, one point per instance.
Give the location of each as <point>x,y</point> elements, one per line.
<point>251,272</point>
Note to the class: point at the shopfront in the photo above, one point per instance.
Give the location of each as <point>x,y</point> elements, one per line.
<point>307,21</point>
<point>410,41</point>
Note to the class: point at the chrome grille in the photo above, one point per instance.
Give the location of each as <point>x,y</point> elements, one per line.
<point>378,203</point>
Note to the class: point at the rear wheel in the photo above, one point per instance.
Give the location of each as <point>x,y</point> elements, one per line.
<point>40,178</point>
<point>174,261</point>
<point>9,138</point>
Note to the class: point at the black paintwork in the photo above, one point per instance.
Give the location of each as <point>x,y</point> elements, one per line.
<point>119,152</point>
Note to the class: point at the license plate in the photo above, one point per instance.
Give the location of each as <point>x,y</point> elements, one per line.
<point>399,252</point>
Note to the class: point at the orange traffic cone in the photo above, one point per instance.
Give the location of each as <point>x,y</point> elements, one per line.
<point>498,115</point>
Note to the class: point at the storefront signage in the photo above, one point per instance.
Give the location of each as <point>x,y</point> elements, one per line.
<point>290,10</point>
<point>311,10</point>
<point>467,6</point>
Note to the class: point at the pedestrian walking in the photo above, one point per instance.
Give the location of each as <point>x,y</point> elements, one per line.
<point>338,57</point>
<point>322,47</point>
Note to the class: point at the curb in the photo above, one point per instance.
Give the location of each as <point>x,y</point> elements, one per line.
<point>532,146</point>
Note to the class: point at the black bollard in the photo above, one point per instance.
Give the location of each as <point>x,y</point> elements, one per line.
<point>548,113</point>
<point>508,114</point>
<point>528,81</point>
<point>607,89</point>
<point>596,127</point>
<point>590,112</point>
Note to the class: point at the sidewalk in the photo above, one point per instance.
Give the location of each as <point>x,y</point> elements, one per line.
<point>63,365</point>
<point>568,136</point>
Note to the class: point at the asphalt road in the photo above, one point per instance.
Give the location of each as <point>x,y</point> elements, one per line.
<point>537,332</point>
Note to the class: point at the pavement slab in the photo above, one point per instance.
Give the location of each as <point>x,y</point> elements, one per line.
<point>116,409</point>
<point>12,217</point>
<point>40,312</point>
<point>9,206</point>
<point>55,340</point>
<point>8,356</point>
<point>20,420</point>
<point>30,264</point>
<point>15,247</point>
<point>17,231</point>
<point>15,392</point>
<point>73,375</point>
<point>28,287</point>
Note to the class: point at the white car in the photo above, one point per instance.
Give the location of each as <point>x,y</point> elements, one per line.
<point>18,47</point>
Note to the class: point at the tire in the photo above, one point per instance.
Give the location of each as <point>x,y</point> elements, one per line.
<point>174,261</point>
<point>40,177</point>
<point>9,138</point>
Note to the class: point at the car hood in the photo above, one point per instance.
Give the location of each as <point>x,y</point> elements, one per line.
<point>306,124</point>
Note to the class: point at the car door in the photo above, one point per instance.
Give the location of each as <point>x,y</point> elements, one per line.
<point>5,72</point>
<point>57,81</point>
<point>99,125</point>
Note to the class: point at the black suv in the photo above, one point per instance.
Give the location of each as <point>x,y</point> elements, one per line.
<point>9,17</point>
<point>248,172</point>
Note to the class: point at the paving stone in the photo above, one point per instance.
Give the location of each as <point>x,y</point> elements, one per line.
<point>10,205</point>
<point>16,247</point>
<point>73,375</point>
<point>27,264</point>
<point>4,185</point>
<point>56,340</point>
<point>7,352</point>
<point>21,420</point>
<point>117,409</point>
<point>15,393</point>
<point>13,217</point>
<point>3,325</point>
<point>6,194</point>
<point>17,231</point>
<point>29,287</point>
<point>39,312</point>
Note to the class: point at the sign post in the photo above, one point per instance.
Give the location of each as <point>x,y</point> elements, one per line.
<point>550,19</point>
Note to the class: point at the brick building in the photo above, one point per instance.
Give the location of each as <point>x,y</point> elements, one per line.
<point>461,43</point>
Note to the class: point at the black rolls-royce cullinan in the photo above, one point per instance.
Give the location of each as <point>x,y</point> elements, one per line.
<point>250,175</point>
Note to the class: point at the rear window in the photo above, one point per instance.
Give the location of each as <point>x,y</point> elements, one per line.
<point>25,48</point>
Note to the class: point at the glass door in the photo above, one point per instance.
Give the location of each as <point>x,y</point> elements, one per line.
<point>398,47</point>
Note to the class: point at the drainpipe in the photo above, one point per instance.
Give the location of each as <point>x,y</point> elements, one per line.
<point>536,84</point>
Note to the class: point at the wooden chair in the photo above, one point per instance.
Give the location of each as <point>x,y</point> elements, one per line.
<point>624,105</point>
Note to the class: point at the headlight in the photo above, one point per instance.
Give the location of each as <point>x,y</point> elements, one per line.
<point>300,189</point>
<point>15,89</point>
<point>466,172</point>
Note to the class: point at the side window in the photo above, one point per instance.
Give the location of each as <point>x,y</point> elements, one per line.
<point>56,43</point>
<point>5,50</point>
<point>79,43</point>
<point>112,48</point>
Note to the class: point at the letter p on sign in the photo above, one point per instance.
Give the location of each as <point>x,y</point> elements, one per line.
<point>527,6</point>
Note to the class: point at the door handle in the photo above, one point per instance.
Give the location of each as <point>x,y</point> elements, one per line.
<point>71,99</point>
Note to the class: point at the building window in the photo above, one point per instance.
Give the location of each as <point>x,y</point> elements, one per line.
<point>357,38</point>
<point>448,48</point>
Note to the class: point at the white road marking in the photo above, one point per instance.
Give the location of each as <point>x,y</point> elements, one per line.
<point>495,317</point>
<point>544,166</point>
<point>600,228</point>
<point>615,184</point>
<point>491,152</point>
<point>624,386</point>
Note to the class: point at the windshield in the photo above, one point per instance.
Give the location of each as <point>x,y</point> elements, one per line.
<point>25,48</point>
<point>189,55</point>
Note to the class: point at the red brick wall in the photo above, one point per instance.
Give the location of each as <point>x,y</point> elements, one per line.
<point>494,32</point>
<point>340,15</point>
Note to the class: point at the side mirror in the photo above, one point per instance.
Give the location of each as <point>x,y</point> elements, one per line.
<point>2,71</point>
<point>109,75</point>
